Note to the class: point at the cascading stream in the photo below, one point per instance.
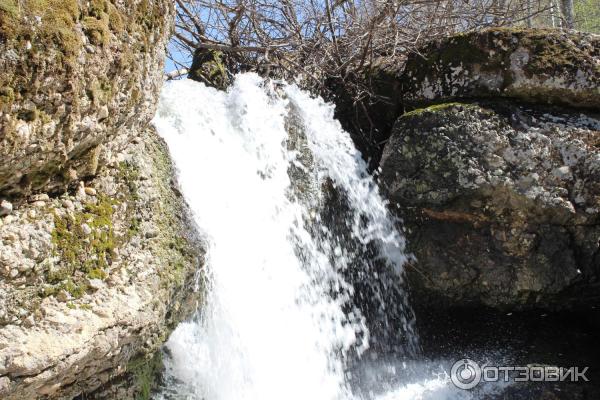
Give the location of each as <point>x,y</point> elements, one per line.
<point>304,261</point>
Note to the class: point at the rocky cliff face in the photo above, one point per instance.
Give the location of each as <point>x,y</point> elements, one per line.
<point>98,259</point>
<point>74,73</point>
<point>500,194</point>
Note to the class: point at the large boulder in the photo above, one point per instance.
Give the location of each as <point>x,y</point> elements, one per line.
<point>539,66</point>
<point>72,74</point>
<point>500,203</point>
<point>99,258</point>
<point>92,282</point>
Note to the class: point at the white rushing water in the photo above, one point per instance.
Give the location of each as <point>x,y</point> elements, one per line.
<point>281,319</point>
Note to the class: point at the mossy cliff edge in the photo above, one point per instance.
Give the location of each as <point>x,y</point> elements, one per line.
<point>73,73</point>
<point>98,256</point>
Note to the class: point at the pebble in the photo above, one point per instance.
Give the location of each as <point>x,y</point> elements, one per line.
<point>25,267</point>
<point>6,208</point>
<point>14,273</point>
<point>4,383</point>
<point>103,113</point>
<point>63,296</point>
<point>90,191</point>
<point>80,195</point>
<point>151,234</point>
<point>72,174</point>
<point>86,229</point>
<point>39,204</point>
<point>23,130</point>
<point>102,312</point>
<point>96,284</point>
<point>68,204</point>
<point>563,173</point>
<point>10,237</point>
<point>29,321</point>
<point>41,197</point>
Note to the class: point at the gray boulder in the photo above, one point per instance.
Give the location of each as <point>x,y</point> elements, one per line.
<point>539,66</point>
<point>500,202</point>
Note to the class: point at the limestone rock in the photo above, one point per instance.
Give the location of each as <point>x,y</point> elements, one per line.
<point>539,66</point>
<point>91,306</point>
<point>59,101</point>
<point>500,202</point>
<point>85,298</point>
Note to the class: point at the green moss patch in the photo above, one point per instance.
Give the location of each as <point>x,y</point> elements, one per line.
<point>208,67</point>
<point>43,22</point>
<point>89,253</point>
<point>97,29</point>
<point>144,372</point>
<point>443,107</point>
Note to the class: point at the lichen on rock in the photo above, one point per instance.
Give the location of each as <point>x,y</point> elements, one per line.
<point>68,69</point>
<point>495,170</point>
<point>533,65</point>
<point>93,297</point>
<point>500,202</point>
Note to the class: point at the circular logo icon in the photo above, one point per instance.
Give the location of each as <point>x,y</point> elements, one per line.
<point>465,374</point>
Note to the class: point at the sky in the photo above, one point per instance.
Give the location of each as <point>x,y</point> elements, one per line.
<point>169,64</point>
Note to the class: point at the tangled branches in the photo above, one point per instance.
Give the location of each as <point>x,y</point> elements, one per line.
<point>331,46</point>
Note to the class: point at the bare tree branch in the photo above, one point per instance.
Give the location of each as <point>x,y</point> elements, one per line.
<point>317,42</point>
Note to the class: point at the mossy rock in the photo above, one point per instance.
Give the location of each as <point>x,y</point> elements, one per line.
<point>74,72</point>
<point>499,202</point>
<point>210,68</point>
<point>45,23</point>
<point>534,65</point>
<point>124,261</point>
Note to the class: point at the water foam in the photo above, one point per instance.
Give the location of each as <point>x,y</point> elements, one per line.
<point>280,319</point>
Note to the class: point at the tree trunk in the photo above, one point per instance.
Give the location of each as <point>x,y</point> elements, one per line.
<point>568,12</point>
<point>556,20</point>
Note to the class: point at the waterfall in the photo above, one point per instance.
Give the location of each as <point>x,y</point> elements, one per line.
<point>304,274</point>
